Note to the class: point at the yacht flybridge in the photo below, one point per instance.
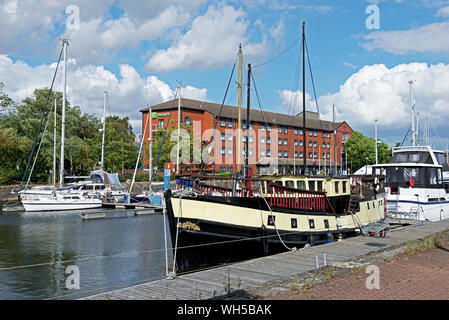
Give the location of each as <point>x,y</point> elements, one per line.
<point>415,183</point>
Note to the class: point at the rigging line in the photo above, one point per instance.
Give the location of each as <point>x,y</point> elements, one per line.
<point>38,149</point>
<point>258,100</point>
<point>216,120</point>
<point>42,119</point>
<point>163,137</point>
<point>278,55</point>
<point>434,128</point>
<point>406,135</point>
<point>313,83</point>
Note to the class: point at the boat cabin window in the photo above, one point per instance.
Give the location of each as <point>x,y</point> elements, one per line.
<point>441,158</point>
<point>312,185</point>
<point>336,186</point>
<point>290,183</point>
<point>415,177</point>
<point>343,186</point>
<point>412,156</point>
<point>319,186</point>
<point>300,184</point>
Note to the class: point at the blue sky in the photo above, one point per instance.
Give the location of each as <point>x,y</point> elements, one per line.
<point>139,50</point>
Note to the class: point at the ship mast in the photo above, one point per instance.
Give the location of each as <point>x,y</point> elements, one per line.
<point>65,42</point>
<point>412,103</point>
<point>103,120</point>
<point>239,126</point>
<point>304,96</point>
<point>248,120</point>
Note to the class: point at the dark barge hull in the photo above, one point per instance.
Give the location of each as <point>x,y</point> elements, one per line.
<point>219,243</point>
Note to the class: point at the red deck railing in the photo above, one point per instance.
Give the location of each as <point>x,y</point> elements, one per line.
<point>286,197</point>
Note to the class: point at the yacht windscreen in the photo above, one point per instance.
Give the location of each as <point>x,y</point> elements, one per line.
<point>412,156</point>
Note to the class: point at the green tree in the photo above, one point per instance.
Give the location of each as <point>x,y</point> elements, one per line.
<point>361,150</point>
<point>12,155</point>
<point>19,123</point>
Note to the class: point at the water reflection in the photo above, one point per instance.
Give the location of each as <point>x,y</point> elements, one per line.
<point>108,252</point>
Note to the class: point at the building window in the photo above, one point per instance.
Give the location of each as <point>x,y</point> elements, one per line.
<point>280,154</point>
<point>262,152</point>
<point>262,127</point>
<point>223,169</point>
<point>295,131</point>
<point>324,134</point>
<point>310,155</point>
<point>250,152</point>
<point>328,155</point>
<point>296,154</point>
<point>301,155</point>
<point>296,143</point>
<point>222,136</point>
<point>315,144</point>
<point>324,145</point>
<point>279,141</point>
<point>251,139</point>
<point>285,142</point>
<point>268,140</point>
<point>324,155</point>
<point>315,133</point>
<point>268,153</point>
<point>229,150</point>
<point>161,123</point>
<point>280,129</point>
<point>269,127</point>
<point>300,132</point>
<point>345,137</point>
<point>223,150</point>
<point>301,143</point>
<point>328,145</point>
<point>230,137</point>
<point>310,144</point>
<point>188,121</point>
<point>315,155</point>
<point>310,133</point>
<point>285,154</point>
<point>285,130</point>
<point>262,139</point>
<point>229,123</point>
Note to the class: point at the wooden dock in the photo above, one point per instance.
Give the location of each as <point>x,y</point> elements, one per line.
<point>216,282</point>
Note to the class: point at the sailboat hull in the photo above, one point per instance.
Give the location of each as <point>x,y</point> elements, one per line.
<point>57,205</point>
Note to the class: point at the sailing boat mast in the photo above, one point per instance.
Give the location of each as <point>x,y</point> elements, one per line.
<point>65,43</point>
<point>412,103</point>
<point>54,148</point>
<point>304,94</point>
<point>239,127</point>
<point>179,128</point>
<point>248,105</point>
<point>103,120</point>
<point>150,143</point>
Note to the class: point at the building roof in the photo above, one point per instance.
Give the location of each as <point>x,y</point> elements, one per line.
<point>231,112</point>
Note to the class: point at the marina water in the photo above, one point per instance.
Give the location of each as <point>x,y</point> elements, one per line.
<point>119,251</point>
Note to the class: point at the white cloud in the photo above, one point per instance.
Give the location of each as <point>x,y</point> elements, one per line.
<point>292,102</point>
<point>85,86</point>
<point>443,12</point>
<point>432,37</point>
<point>378,92</point>
<point>212,41</point>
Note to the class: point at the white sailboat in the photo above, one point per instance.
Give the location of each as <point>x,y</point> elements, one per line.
<point>55,199</point>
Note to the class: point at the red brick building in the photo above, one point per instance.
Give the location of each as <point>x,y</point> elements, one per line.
<point>276,140</point>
